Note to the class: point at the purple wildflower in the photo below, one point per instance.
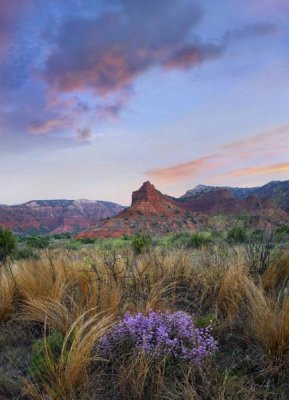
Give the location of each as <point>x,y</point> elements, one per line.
<point>159,334</point>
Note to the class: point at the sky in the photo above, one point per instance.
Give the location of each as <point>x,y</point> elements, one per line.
<point>98,96</point>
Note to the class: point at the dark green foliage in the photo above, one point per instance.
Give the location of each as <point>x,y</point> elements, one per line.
<point>87,240</point>
<point>38,242</point>
<point>197,240</point>
<point>23,253</point>
<point>261,251</point>
<point>141,242</point>
<point>282,233</point>
<point>60,236</point>
<point>7,244</point>
<point>237,235</point>
<point>45,350</point>
<point>189,240</point>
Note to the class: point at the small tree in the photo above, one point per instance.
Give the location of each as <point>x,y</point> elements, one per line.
<point>236,235</point>
<point>7,244</point>
<point>141,242</point>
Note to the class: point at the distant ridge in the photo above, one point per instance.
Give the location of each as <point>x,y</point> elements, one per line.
<point>155,213</point>
<point>150,211</point>
<point>55,216</point>
<point>276,191</point>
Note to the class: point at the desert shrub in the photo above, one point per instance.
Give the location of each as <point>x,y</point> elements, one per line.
<point>141,242</point>
<point>24,253</point>
<point>236,235</point>
<point>196,240</point>
<point>159,335</point>
<point>187,240</point>
<point>87,240</point>
<point>283,229</point>
<point>38,242</point>
<point>7,244</point>
<point>113,244</point>
<point>73,244</point>
<point>282,233</point>
<point>261,251</point>
<point>65,235</point>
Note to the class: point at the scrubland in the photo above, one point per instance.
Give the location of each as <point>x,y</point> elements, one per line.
<point>56,308</point>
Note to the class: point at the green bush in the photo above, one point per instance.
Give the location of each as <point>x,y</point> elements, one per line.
<point>186,240</point>
<point>87,240</point>
<point>7,244</point>
<point>38,242</point>
<point>23,253</point>
<point>236,235</point>
<point>197,240</point>
<point>282,231</point>
<point>65,235</point>
<point>141,242</point>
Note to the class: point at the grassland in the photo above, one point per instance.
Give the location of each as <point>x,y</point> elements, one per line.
<point>57,303</point>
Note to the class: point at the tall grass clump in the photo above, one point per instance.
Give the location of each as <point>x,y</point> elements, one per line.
<point>62,363</point>
<point>269,322</point>
<point>6,295</point>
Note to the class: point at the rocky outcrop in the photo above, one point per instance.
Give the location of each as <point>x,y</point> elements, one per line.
<point>150,212</point>
<point>155,213</point>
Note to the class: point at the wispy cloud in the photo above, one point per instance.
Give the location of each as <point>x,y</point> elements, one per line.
<point>181,171</point>
<point>256,171</point>
<point>46,126</point>
<point>268,144</point>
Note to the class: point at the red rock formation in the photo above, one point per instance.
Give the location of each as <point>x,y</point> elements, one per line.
<point>155,213</point>
<point>55,216</point>
<point>150,212</point>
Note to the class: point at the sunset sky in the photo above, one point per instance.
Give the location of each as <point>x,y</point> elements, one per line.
<point>97,96</point>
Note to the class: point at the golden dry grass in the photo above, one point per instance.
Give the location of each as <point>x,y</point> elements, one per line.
<point>63,376</point>
<point>80,295</point>
<point>7,289</point>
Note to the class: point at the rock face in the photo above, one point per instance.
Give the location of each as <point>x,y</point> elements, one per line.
<point>276,191</point>
<point>55,216</point>
<point>155,213</point>
<point>150,212</point>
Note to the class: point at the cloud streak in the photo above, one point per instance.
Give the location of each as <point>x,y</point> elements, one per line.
<point>270,144</point>
<point>181,171</point>
<point>256,171</point>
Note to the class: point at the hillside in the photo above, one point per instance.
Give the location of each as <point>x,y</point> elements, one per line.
<point>155,213</point>
<point>150,211</point>
<point>276,191</point>
<point>55,216</point>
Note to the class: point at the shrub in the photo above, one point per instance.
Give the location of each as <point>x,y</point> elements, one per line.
<point>283,230</point>
<point>141,242</point>
<point>236,235</point>
<point>7,244</point>
<point>87,240</point>
<point>24,253</point>
<point>159,335</point>
<point>197,240</point>
<point>38,242</point>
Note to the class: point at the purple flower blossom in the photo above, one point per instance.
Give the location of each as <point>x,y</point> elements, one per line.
<point>159,334</point>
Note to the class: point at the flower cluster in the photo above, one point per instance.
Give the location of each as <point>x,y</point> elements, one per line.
<point>159,334</point>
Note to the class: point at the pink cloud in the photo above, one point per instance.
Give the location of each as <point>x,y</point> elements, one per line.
<point>46,126</point>
<point>182,171</point>
<point>270,144</point>
<point>256,171</point>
